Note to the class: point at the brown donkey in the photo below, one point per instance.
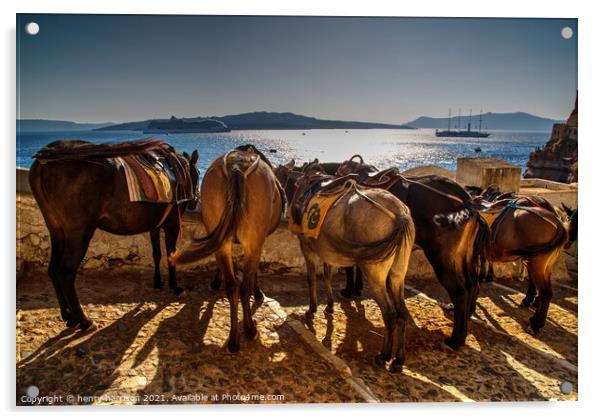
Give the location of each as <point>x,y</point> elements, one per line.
<point>372,229</point>
<point>80,188</point>
<point>242,202</point>
<point>532,229</point>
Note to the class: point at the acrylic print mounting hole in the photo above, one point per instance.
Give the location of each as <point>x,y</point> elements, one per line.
<point>32,28</point>
<point>566,32</point>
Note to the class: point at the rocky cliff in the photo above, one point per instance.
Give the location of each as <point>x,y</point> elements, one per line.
<point>557,160</point>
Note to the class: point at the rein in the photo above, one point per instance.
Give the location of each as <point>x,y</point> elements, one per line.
<point>428,187</point>
<point>374,203</point>
<point>450,196</point>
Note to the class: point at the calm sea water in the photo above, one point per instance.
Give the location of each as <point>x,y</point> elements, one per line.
<point>383,148</point>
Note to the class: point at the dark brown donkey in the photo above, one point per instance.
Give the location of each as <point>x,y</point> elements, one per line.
<point>80,188</point>
<point>532,229</point>
<point>446,229</point>
<point>241,202</point>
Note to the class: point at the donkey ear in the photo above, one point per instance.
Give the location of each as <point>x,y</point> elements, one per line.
<point>566,208</point>
<point>290,165</point>
<point>194,157</point>
<point>186,155</point>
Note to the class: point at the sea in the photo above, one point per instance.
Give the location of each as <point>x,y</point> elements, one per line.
<point>403,149</point>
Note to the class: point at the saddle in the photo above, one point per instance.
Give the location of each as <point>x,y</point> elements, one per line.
<point>384,179</point>
<point>316,193</point>
<point>351,166</point>
<point>152,169</point>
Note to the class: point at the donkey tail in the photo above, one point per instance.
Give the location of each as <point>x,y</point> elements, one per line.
<point>227,226</point>
<point>478,266</point>
<point>456,219</point>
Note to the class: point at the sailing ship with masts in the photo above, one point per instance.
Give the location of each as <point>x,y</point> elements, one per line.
<point>469,132</point>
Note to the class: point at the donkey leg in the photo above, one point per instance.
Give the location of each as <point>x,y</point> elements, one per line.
<point>171,238</point>
<point>217,280</point>
<point>75,250</point>
<point>530,295</point>
<point>57,249</point>
<point>257,293</point>
<point>311,262</point>
<point>359,282</point>
<point>489,277</point>
<point>348,292</point>
<point>252,257</point>
<point>540,270</point>
<point>473,293</point>
<point>397,277</point>
<point>226,268</point>
<point>155,242</point>
<point>377,279</point>
<point>328,282</point>
<point>458,294</point>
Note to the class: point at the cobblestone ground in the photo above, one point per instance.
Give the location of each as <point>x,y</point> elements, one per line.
<point>151,347</point>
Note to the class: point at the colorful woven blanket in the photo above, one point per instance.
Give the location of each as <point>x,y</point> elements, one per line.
<point>147,180</point>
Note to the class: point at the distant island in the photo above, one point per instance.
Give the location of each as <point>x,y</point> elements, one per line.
<point>56,125</point>
<point>490,121</point>
<point>289,121</point>
<point>261,121</point>
<point>178,125</point>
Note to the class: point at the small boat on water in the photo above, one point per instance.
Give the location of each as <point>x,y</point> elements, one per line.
<point>462,133</point>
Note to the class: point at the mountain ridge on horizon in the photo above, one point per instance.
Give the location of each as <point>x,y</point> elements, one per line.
<point>45,124</point>
<point>490,121</point>
<point>265,120</point>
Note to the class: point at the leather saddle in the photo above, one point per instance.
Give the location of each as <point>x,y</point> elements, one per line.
<point>314,183</point>
<point>383,179</point>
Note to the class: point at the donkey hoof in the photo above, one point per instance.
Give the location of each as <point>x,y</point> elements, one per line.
<point>380,360</point>
<point>70,323</point>
<point>158,285</point>
<point>177,290</point>
<point>452,343</point>
<point>251,333</point>
<point>259,297</point>
<point>346,294</point>
<point>525,303</point>
<point>233,347</point>
<point>396,366</point>
<point>535,326</point>
<point>85,324</point>
<point>357,293</point>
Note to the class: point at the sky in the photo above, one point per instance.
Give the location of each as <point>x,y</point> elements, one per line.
<point>99,68</point>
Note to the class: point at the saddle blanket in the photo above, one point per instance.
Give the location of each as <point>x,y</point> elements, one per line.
<point>147,179</point>
<point>316,210</point>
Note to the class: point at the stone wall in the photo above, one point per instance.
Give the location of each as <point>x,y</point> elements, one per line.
<point>280,254</point>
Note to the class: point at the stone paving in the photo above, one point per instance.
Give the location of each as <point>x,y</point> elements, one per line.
<point>151,347</point>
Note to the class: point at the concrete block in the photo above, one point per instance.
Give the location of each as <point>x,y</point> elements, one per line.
<point>483,172</point>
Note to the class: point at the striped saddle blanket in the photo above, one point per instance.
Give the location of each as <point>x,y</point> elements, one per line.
<point>148,179</point>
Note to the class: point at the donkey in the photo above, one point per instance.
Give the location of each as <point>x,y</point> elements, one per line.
<point>242,202</point>
<point>80,188</point>
<point>372,229</point>
<point>531,229</point>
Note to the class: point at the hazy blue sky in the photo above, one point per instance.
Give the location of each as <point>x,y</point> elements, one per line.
<point>93,68</point>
